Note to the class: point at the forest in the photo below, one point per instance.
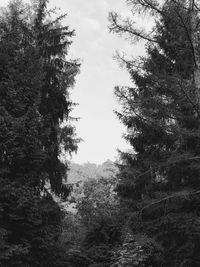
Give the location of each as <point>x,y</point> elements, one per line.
<point>144,208</point>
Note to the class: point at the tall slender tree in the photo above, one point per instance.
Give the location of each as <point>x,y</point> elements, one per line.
<point>34,101</point>
<point>52,42</point>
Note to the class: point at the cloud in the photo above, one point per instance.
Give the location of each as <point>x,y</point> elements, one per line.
<point>91,24</point>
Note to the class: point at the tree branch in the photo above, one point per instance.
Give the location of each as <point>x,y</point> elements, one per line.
<point>127,28</point>
<point>189,99</point>
<point>146,4</point>
<point>180,194</point>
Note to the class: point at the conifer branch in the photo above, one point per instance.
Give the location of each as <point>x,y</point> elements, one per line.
<point>190,100</point>
<point>128,29</point>
<point>176,195</point>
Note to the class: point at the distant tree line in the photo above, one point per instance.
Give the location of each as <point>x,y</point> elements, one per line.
<point>82,172</point>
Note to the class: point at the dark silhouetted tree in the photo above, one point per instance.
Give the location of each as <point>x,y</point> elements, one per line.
<point>159,181</point>
<point>35,78</point>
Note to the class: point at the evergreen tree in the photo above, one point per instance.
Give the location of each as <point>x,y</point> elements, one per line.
<point>52,43</point>
<point>160,180</point>
<point>34,101</point>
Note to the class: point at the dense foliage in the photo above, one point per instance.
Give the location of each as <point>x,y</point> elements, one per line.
<point>95,223</point>
<point>159,181</point>
<point>35,77</point>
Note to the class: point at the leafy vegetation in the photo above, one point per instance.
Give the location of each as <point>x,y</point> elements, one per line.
<point>96,223</point>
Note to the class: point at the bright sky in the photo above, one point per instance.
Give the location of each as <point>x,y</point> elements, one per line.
<point>95,46</point>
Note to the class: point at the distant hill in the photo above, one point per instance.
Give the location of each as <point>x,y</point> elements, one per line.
<point>83,172</point>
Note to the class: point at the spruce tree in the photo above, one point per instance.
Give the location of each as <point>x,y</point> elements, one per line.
<point>159,181</point>
<point>52,43</point>
<point>31,138</point>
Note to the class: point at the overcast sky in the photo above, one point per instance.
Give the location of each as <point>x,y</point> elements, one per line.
<point>95,46</point>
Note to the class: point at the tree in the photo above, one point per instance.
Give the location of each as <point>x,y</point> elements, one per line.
<point>34,91</point>
<point>160,180</point>
<point>52,42</point>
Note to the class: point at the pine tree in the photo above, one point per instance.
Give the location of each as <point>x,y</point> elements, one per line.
<point>31,138</point>
<point>160,180</point>
<point>52,42</point>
